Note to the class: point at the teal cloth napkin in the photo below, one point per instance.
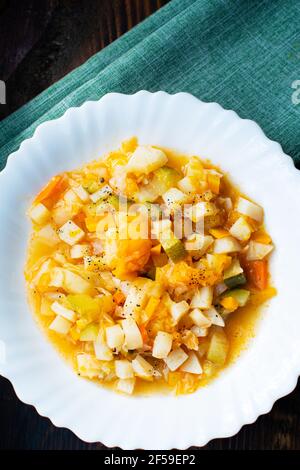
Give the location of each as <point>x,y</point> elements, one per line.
<point>243,54</point>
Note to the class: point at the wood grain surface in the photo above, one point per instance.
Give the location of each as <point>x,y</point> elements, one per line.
<point>40,42</point>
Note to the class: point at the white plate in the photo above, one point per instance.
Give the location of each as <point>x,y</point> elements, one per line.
<point>266,371</point>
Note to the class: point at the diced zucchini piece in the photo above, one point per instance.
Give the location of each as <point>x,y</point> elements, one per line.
<point>234,269</point>
<point>61,310</point>
<point>241,229</point>
<point>133,337</point>
<point>90,332</point>
<point>176,358</point>
<point>240,295</point>
<point>162,345</point>
<point>102,351</point>
<point>126,385</point>
<point>85,305</point>
<point>173,247</point>
<point>214,317</point>
<point>79,251</point>
<point>226,245</point>
<point>115,338</point>
<point>60,325</point>
<point>257,251</point>
<point>199,318</point>
<point>164,178</point>
<point>70,233</point>
<point>48,235</point>
<point>192,364</point>
<point>178,310</point>
<point>39,214</point>
<point>146,159</point>
<point>218,347</point>
<point>124,369</point>
<point>250,209</point>
<point>142,368</point>
<point>235,281</point>
<point>202,298</point>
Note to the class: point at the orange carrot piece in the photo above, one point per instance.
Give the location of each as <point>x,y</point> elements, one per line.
<point>119,298</point>
<point>257,273</point>
<point>53,189</point>
<point>144,333</point>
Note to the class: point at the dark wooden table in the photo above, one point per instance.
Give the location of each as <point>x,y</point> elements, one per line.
<point>40,42</point>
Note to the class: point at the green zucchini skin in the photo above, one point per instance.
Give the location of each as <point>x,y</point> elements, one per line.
<point>235,281</point>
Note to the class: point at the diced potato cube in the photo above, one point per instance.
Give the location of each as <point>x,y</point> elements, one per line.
<point>142,368</point>
<point>60,325</point>
<point>202,298</point>
<point>102,351</point>
<point>162,345</point>
<point>192,364</point>
<point>146,159</point>
<point>48,235</point>
<point>124,369</point>
<point>81,193</point>
<point>70,233</point>
<point>158,227</point>
<point>39,214</point>
<point>241,229</point>
<point>214,317</point>
<point>67,313</point>
<point>71,282</point>
<point>175,359</point>
<point>198,244</point>
<point>71,198</point>
<point>250,209</point>
<point>187,185</point>
<point>179,309</point>
<point>174,198</point>
<point>226,245</point>
<point>88,365</point>
<point>126,385</point>
<point>257,251</point>
<point>202,209</point>
<point>218,347</point>
<point>45,307</point>
<point>102,193</point>
<point>199,331</point>
<point>79,251</point>
<point>133,337</point>
<point>115,338</point>
<point>200,319</point>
